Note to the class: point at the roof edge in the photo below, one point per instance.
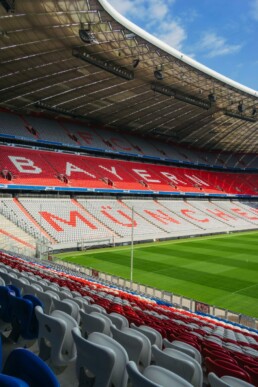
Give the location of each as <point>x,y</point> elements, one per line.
<point>172,51</point>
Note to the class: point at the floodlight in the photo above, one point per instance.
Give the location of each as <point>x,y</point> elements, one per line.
<point>103,64</point>
<point>135,63</point>
<point>241,107</point>
<point>212,97</point>
<point>158,75</point>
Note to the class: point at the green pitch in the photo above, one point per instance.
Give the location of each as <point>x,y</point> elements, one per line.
<point>219,270</point>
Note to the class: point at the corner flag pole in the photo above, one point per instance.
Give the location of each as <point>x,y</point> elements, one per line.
<point>132,251</point>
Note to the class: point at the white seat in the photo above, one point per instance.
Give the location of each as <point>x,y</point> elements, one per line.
<point>94,359</point>
<point>226,381</point>
<point>91,323</point>
<point>173,363</point>
<point>53,294</point>
<point>107,321</point>
<point>31,289</point>
<point>68,306</point>
<point>118,320</point>
<point>132,343</point>
<point>120,316</point>
<point>184,347</point>
<point>235,382</point>
<point>55,337</point>
<point>197,379</point>
<point>47,301</point>
<point>145,355</point>
<point>119,376</point>
<point>154,376</point>
<point>75,308</point>
<point>154,336</point>
<point>94,308</point>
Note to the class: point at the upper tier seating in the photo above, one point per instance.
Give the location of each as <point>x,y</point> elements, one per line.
<point>76,134</point>
<point>20,166</point>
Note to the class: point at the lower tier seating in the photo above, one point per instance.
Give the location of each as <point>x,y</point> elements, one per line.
<point>90,325</point>
<point>55,221</point>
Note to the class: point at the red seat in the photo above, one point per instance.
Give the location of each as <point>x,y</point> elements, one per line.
<point>253,372</point>
<point>222,368</point>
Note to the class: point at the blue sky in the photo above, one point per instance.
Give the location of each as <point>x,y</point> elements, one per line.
<point>221,34</point>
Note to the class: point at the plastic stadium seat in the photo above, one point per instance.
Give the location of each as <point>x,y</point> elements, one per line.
<point>25,365</point>
<point>132,343</point>
<point>184,347</point>
<point>91,323</point>
<point>253,372</point>
<point>153,335</point>
<point>24,321</point>
<point>154,376</point>
<point>11,381</point>
<point>93,358</point>
<point>197,379</point>
<point>55,337</point>
<point>171,362</point>
<point>221,368</point>
<point>118,320</point>
<point>226,381</point>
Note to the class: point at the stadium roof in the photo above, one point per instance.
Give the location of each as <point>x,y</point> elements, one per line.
<point>83,59</point>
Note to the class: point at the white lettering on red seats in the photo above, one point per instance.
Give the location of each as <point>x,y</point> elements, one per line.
<point>116,142</point>
<point>197,180</point>
<point>145,175</point>
<point>87,137</point>
<point>221,214</point>
<point>105,209</point>
<point>25,165</point>
<point>161,216</point>
<point>173,178</point>
<point>188,212</point>
<point>73,168</point>
<point>244,214</point>
<point>74,215</point>
<point>112,171</point>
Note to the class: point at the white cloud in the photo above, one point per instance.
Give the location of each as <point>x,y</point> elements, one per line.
<point>173,34</point>
<point>155,16</point>
<point>214,45</point>
<point>254,9</point>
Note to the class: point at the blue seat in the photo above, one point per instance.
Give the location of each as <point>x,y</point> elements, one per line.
<point>11,381</point>
<point>7,293</point>
<point>25,365</point>
<point>24,321</point>
<point>14,291</point>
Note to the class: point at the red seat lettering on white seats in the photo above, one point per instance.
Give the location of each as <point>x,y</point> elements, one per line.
<point>86,136</point>
<point>161,217</point>
<point>188,212</point>
<point>25,165</point>
<point>52,219</point>
<point>105,209</point>
<point>220,214</point>
<point>240,212</point>
<point>118,142</point>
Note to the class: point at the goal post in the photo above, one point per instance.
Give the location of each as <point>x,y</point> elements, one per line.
<point>86,244</point>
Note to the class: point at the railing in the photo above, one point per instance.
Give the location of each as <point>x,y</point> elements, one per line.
<point>164,296</point>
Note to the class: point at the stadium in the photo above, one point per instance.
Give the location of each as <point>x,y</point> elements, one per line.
<point>128,206</point>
